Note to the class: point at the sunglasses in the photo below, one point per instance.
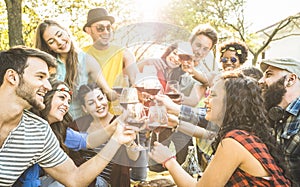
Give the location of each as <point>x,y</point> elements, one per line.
<point>64,90</point>
<point>101,28</point>
<point>225,60</point>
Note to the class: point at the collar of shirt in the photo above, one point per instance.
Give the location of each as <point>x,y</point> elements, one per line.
<point>292,125</point>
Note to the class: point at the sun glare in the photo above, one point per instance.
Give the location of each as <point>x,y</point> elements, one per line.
<point>150,9</point>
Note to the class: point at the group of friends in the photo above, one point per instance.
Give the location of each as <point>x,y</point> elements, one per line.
<point>58,127</point>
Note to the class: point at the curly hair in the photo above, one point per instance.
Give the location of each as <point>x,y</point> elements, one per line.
<point>240,48</point>
<point>245,111</point>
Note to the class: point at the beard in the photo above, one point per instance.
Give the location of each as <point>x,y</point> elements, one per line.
<point>25,92</point>
<point>274,94</point>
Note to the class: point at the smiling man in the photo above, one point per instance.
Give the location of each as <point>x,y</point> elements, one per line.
<point>114,60</point>
<point>285,74</point>
<point>26,139</point>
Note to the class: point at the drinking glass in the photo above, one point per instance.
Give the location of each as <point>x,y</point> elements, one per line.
<point>122,81</point>
<point>128,96</point>
<point>172,89</point>
<point>185,55</point>
<point>186,62</point>
<point>152,86</point>
<point>137,117</point>
<point>157,119</point>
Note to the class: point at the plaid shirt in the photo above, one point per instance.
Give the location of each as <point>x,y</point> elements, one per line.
<point>259,150</point>
<point>290,139</point>
<point>195,116</point>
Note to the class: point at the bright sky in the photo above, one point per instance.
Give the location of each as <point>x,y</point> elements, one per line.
<point>263,13</point>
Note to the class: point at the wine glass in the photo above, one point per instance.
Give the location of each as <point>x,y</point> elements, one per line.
<point>128,96</point>
<point>152,87</point>
<point>157,119</point>
<point>173,89</point>
<point>139,85</point>
<point>122,81</point>
<point>137,117</point>
<point>185,55</point>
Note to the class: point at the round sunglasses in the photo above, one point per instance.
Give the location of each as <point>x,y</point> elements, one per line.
<point>101,28</point>
<point>225,60</point>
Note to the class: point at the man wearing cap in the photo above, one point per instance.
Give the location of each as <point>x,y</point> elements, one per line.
<point>113,59</point>
<point>286,71</point>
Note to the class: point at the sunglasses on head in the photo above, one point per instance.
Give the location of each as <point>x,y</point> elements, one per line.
<point>101,28</point>
<point>64,90</point>
<point>225,59</point>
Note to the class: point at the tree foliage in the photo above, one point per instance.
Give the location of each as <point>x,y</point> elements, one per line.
<point>19,20</point>
<point>228,17</point>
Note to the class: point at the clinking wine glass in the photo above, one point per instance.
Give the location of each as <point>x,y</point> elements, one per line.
<point>122,81</point>
<point>186,62</point>
<point>128,96</point>
<point>139,85</point>
<point>173,89</point>
<point>137,117</point>
<point>185,55</point>
<point>152,87</point>
<point>157,119</point>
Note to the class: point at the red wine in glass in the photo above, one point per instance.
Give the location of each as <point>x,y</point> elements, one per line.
<point>174,95</point>
<point>152,126</point>
<point>152,91</point>
<point>124,105</point>
<point>118,89</point>
<point>135,123</point>
<point>140,88</point>
<point>185,57</point>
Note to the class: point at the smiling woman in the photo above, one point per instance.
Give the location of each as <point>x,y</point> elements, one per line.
<point>74,66</point>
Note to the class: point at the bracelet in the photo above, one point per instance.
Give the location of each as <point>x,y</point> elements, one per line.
<point>164,162</point>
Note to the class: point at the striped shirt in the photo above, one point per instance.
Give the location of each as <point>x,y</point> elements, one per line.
<point>32,141</point>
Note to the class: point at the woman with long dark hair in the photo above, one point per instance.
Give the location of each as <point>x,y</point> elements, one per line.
<point>245,153</point>
<point>57,102</point>
<point>95,105</point>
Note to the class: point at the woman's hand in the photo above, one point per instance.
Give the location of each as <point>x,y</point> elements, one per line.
<point>172,120</point>
<point>124,134</point>
<point>160,153</point>
<point>172,108</point>
<point>112,95</point>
